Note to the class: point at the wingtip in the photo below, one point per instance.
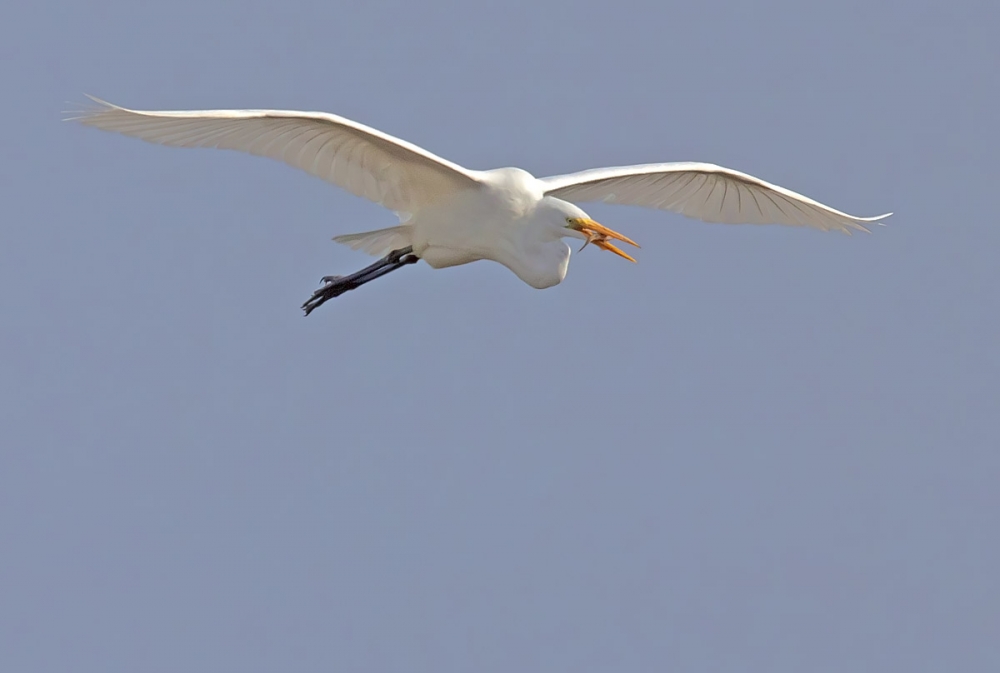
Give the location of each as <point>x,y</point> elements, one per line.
<point>84,111</point>
<point>857,225</point>
<point>99,101</point>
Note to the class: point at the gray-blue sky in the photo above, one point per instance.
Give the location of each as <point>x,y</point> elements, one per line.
<point>759,449</point>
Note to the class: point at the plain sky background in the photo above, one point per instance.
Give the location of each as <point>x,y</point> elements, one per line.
<point>759,449</point>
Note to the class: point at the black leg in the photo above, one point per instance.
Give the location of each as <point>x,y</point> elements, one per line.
<point>338,285</point>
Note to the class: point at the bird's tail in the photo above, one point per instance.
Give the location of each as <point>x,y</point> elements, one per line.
<point>379,242</point>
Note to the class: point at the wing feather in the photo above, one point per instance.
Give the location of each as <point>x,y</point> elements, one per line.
<point>360,159</point>
<point>705,192</point>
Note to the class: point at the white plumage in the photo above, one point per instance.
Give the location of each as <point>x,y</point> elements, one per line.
<point>702,191</point>
<point>453,215</point>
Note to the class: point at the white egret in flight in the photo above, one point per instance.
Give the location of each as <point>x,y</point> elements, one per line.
<point>452,215</point>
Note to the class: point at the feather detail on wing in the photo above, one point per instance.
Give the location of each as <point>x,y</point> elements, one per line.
<point>703,191</point>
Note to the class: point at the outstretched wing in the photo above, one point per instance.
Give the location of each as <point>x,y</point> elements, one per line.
<point>703,191</point>
<point>362,160</point>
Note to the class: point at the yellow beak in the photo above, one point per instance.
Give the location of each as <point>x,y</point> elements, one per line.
<point>599,235</point>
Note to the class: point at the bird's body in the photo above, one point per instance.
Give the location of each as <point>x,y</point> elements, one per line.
<point>452,215</point>
<point>494,221</point>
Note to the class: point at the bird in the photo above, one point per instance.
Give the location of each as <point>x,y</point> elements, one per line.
<point>450,215</point>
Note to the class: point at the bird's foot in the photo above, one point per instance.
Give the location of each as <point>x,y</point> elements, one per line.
<point>334,286</point>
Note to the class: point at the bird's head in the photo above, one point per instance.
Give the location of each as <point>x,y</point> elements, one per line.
<point>577,224</point>
<point>555,219</point>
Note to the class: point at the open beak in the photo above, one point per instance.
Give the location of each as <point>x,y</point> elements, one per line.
<point>600,236</point>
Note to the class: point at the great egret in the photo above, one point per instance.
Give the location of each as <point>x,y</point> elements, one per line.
<point>452,215</point>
